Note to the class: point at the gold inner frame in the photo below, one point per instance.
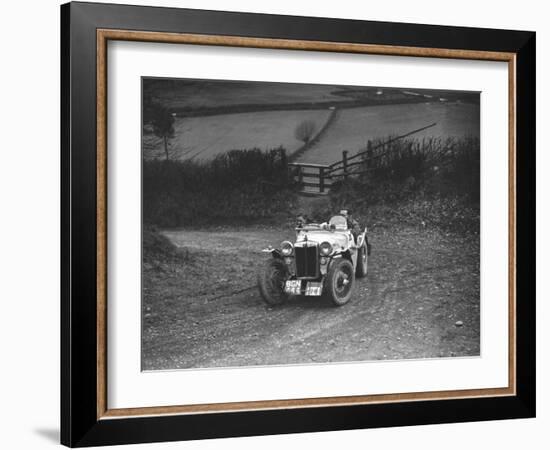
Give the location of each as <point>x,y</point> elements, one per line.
<point>104,35</point>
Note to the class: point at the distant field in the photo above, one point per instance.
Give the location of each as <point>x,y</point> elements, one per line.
<point>193,97</point>
<point>355,126</point>
<point>205,137</point>
<point>177,94</point>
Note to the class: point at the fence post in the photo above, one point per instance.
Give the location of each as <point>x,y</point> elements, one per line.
<point>321,179</point>
<point>300,176</point>
<point>284,160</point>
<point>369,158</point>
<point>284,163</point>
<point>345,163</point>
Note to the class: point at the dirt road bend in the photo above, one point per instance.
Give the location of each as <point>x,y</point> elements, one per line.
<point>420,299</point>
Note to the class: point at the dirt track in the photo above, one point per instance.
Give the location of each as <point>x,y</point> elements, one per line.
<point>420,284</point>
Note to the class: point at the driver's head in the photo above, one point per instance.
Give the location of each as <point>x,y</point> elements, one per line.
<point>344,212</point>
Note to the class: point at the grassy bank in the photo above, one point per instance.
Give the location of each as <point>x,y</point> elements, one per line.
<point>240,186</point>
<point>425,183</point>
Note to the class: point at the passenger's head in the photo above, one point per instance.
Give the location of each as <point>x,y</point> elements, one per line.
<point>345,212</point>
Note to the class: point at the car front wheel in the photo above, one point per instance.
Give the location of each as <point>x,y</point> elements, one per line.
<point>271,281</point>
<point>339,282</point>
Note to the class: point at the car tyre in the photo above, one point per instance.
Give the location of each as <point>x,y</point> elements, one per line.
<point>340,281</point>
<point>271,279</point>
<point>362,262</point>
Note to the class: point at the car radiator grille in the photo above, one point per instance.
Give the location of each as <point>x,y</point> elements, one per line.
<point>307,261</point>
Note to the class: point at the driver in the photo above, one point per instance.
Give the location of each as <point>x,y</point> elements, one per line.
<point>302,220</point>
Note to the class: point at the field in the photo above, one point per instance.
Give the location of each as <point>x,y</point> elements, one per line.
<point>195,97</point>
<point>180,95</point>
<point>202,138</point>
<point>354,126</point>
<point>206,137</point>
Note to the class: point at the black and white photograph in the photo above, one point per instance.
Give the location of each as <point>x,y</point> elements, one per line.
<point>305,223</point>
<point>276,225</point>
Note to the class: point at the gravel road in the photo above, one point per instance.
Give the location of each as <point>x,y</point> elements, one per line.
<point>420,299</point>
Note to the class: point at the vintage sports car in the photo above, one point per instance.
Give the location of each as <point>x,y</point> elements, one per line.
<point>324,260</point>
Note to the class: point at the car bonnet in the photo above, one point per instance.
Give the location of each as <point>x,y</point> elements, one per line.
<point>332,237</point>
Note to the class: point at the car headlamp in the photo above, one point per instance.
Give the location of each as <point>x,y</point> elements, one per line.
<point>325,249</point>
<point>287,248</point>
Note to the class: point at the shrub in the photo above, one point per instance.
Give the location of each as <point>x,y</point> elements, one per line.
<point>429,181</point>
<point>240,185</point>
<point>304,131</point>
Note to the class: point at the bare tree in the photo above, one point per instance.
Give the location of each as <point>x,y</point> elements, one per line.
<point>162,121</point>
<point>304,131</point>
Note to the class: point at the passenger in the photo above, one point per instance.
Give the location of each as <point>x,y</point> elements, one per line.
<point>353,225</point>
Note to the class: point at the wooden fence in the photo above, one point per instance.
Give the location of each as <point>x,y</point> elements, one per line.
<point>311,178</point>
<point>317,178</point>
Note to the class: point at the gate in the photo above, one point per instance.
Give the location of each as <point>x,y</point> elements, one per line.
<point>313,179</point>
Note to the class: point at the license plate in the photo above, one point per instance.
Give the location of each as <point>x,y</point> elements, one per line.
<point>314,288</point>
<point>293,287</point>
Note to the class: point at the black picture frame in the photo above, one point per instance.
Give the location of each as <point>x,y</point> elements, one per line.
<point>80,425</point>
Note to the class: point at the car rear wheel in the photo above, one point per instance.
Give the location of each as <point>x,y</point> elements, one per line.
<point>362,262</point>
<point>271,281</point>
<point>340,281</point>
